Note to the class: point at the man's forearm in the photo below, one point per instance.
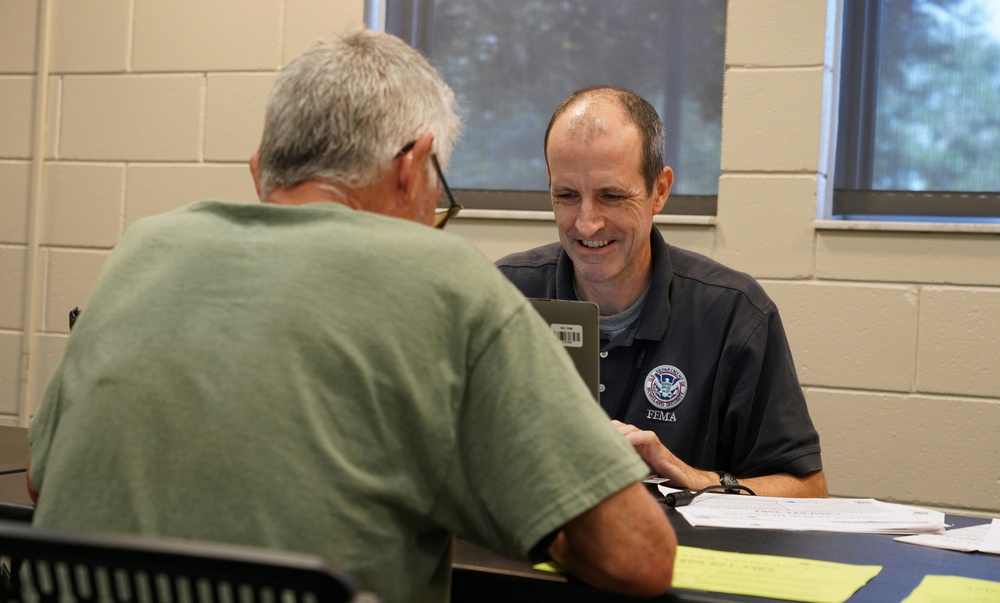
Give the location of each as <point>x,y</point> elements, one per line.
<point>782,485</point>
<point>624,545</point>
<point>785,485</point>
<point>664,463</point>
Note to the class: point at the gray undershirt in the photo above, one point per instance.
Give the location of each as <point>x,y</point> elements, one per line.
<point>616,324</point>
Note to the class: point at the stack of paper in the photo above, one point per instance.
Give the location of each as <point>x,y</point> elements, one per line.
<point>864,515</point>
<point>984,538</point>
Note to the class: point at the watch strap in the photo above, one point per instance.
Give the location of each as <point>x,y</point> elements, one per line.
<point>728,479</point>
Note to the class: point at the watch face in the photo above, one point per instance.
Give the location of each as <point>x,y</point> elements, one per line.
<point>728,479</point>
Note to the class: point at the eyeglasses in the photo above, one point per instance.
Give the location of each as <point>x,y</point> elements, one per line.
<point>441,214</point>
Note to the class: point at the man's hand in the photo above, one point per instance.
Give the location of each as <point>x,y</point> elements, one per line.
<point>663,462</point>
<point>681,475</point>
<point>32,492</point>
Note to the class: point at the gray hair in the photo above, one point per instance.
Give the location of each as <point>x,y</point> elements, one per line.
<point>343,109</point>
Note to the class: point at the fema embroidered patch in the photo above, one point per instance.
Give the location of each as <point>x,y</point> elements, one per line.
<point>665,387</point>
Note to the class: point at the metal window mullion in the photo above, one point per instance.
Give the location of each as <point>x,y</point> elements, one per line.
<point>858,95</point>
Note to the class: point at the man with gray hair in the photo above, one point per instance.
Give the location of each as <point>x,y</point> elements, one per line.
<point>323,373</point>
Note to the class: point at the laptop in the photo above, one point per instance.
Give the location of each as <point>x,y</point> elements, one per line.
<point>577,326</point>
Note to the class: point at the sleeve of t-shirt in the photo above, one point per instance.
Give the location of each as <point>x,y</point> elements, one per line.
<point>535,449</point>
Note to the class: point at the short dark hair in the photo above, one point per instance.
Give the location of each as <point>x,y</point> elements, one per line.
<point>637,111</point>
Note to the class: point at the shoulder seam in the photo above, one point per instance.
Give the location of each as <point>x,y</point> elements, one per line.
<point>766,308</point>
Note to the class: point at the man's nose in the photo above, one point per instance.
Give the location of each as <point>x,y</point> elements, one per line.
<point>590,219</point>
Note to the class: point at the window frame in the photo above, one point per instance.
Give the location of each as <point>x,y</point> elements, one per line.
<point>853,197</point>
<point>532,205</point>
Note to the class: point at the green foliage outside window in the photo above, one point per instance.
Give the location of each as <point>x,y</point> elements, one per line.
<point>938,97</point>
<point>512,62</point>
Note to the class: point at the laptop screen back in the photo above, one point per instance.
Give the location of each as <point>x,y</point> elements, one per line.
<point>577,326</point>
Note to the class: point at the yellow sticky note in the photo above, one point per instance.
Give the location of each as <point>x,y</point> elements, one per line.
<point>954,589</point>
<point>548,566</point>
<point>771,576</point>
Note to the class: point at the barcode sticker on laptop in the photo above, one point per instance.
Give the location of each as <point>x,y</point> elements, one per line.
<point>570,336</point>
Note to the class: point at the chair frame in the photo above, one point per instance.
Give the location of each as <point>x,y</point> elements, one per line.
<point>48,565</point>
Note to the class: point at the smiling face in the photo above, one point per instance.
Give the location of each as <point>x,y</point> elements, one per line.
<point>603,210</point>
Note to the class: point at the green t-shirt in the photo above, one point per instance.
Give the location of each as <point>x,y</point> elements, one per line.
<point>323,380</point>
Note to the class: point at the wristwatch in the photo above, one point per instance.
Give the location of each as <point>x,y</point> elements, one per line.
<point>728,479</point>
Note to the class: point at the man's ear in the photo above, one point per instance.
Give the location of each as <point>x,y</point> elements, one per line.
<point>413,167</point>
<point>255,170</point>
<point>661,189</point>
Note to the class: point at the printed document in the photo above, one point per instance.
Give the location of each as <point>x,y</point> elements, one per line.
<point>863,515</point>
<point>984,538</point>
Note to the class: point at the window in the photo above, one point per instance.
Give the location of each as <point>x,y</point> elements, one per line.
<point>919,128</point>
<point>512,62</point>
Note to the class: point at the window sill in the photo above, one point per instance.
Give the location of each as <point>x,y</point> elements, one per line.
<point>548,216</point>
<point>887,226</point>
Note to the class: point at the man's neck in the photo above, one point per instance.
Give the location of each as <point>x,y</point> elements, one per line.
<point>310,191</point>
<point>613,297</point>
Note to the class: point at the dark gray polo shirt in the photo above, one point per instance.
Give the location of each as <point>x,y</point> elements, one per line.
<point>707,366</point>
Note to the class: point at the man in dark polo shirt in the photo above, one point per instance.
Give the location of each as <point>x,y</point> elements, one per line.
<point>695,368</point>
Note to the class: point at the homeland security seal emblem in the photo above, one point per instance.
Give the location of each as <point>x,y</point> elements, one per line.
<point>665,387</point>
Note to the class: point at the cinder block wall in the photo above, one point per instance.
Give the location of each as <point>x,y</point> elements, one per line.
<point>153,104</point>
<point>150,105</point>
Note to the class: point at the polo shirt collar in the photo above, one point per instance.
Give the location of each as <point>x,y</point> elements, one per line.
<point>656,314</point>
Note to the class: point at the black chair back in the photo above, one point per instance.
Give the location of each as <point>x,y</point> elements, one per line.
<point>54,566</point>
<point>16,512</point>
